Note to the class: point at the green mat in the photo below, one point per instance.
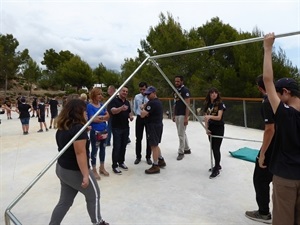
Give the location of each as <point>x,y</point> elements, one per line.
<point>248,154</point>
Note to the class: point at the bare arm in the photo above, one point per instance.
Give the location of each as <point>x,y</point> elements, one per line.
<point>268,76</point>
<point>80,151</point>
<point>267,138</point>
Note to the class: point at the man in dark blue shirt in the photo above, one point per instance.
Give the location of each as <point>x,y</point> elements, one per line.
<point>153,114</point>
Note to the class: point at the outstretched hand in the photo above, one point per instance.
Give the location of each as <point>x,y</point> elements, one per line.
<point>269,40</point>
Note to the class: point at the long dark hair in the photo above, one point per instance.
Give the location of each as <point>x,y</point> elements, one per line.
<point>207,100</point>
<point>72,113</point>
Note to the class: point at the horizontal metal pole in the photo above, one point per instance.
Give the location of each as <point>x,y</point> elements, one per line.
<point>229,44</point>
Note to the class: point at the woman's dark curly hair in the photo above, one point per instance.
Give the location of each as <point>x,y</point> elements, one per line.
<point>72,113</point>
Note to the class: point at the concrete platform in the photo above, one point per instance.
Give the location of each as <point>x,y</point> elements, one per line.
<point>181,194</point>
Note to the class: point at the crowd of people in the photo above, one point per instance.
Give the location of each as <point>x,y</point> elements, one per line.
<point>278,161</point>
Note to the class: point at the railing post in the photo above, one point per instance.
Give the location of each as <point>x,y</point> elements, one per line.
<point>245,113</point>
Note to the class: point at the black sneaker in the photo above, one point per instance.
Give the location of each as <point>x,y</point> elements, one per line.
<point>137,161</point>
<point>50,127</point>
<point>153,169</point>
<point>117,171</point>
<point>149,161</point>
<point>40,130</point>
<point>161,163</point>
<point>219,168</point>
<point>255,215</point>
<point>188,151</point>
<point>180,156</point>
<point>123,166</point>
<point>214,174</point>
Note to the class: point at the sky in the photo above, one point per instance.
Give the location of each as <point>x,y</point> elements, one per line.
<point>110,31</point>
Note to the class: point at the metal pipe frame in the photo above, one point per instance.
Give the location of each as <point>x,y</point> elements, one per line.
<point>9,216</point>
<point>229,44</point>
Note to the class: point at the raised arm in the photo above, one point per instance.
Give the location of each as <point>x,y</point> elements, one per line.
<point>268,76</point>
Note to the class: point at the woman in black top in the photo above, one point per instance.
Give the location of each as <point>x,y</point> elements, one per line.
<point>72,166</point>
<point>213,109</point>
<point>24,112</point>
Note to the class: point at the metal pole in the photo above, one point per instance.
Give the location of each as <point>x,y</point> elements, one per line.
<point>201,49</point>
<point>245,113</point>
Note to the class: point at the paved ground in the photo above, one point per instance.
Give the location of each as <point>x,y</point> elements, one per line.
<point>181,194</point>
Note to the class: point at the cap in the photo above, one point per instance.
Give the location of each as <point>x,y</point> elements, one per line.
<point>150,90</point>
<point>287,83</point>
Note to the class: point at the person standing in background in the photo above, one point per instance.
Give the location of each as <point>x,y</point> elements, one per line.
<point>41,114</point>
<point>139,102</point>
<point>262,177</point>
<point>24,110</point>
<point>213,117</point>
<point>34,107</point>
<point>8,106</point>
<point>181,116</point>
<point>53,103</point>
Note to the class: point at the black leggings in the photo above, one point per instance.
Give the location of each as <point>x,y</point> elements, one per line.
<point>216,141</point>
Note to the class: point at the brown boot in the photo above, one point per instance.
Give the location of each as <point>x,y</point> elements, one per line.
<point>97,176</point>
<point>152,170</point>
<point>102,170</point>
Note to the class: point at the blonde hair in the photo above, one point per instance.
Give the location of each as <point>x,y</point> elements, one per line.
<point>94,93</point>
<point>83,96</point>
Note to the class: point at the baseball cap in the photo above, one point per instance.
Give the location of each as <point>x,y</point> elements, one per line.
<point>287,83</point>
<point>150,90</point>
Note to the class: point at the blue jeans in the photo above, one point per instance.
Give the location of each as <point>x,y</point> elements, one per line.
<point>95,146</point>
<point>119,145</point>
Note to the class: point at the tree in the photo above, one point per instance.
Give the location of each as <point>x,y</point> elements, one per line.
<point>32,73</point>
<point>77,73</point>
<point>11,60</point>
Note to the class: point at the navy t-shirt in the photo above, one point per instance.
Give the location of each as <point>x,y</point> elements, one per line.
<point>119,120</point>
<point>213,109</point>
<point>180,107</point>
<point>68,159</point>
<point>285,161</point>
<point>155,109</point>
<point>53,105</point>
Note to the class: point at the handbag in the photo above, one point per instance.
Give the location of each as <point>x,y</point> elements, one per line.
<point>101,135</point>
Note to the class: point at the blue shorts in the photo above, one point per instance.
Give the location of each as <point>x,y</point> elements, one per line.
<point>25,121</point>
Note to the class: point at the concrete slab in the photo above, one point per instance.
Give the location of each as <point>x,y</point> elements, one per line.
<point>181,194</point>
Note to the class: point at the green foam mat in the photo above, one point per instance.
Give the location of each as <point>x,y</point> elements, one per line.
<point>248,154</point>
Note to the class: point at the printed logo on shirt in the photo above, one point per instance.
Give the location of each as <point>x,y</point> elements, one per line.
<point>148,108</point>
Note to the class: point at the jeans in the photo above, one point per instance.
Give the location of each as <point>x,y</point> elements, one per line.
<point>119,145</point>
<point>95,146</point>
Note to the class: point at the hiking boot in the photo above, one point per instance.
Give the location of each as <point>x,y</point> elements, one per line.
<point>117,171</point>
<point>161,163</point>
<point>137,161</point>
<point>153,169</point>
<point>123,166</point>
<point>180,156</point>
<point>214,174</point>
<point>149,161</point>
<point>187,151</point>
<point>219,168</point>
<point>255,215</point>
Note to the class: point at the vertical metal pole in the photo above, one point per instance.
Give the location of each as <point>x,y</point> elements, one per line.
<point>245,113</point>
<point>171,110</point>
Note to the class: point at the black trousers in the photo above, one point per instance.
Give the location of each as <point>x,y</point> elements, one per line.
<point>216,142</point>
<point>140,126</point>
<point>262,178</point>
